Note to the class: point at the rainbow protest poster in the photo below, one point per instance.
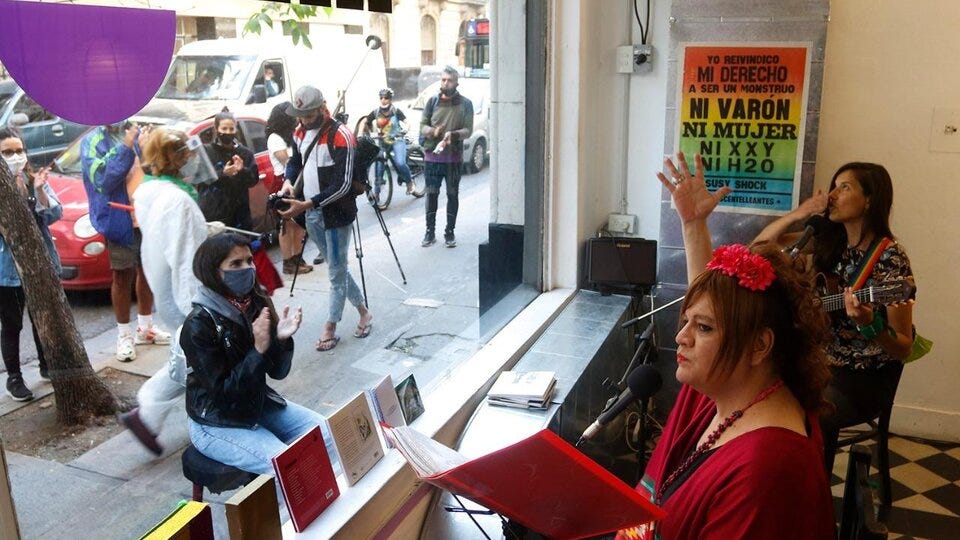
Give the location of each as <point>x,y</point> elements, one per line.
<point>743,109</point>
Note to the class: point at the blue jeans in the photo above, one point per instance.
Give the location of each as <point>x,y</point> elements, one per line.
<point>253,449</point>
<point>399,160</point>
<point>334,245</point>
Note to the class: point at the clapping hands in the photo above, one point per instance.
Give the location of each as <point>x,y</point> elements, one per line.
<point>289,323</point>
<point>234,166</point>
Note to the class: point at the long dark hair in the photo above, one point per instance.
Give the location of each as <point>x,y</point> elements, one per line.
<point>14,133</point>
<point>206,266</point>
<point>281,123</point>
<point>877,187</point>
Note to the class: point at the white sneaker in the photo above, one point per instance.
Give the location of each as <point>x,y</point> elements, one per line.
<point>154,335</point>
<point>125,349</point>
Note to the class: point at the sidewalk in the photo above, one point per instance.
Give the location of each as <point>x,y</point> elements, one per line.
<point>119,490</point>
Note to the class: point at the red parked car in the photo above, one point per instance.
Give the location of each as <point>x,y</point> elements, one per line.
<point>83,251</point>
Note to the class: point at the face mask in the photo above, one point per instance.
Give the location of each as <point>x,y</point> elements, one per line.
<point>16,163</point>
<point>188,172</point>
<point>448,91</point>
<point>240,282</point>
<point>226,139</point>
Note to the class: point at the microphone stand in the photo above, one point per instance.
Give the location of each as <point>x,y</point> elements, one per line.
<point>644,349</point>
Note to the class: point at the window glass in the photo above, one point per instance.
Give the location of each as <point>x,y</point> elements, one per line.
<point>255,135</point>
<point>34,111</point>
<point>5,98</point>
<point>206,77</point>
<point>273,77</point>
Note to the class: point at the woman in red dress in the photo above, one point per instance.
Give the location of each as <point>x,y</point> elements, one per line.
<point>740,455</point>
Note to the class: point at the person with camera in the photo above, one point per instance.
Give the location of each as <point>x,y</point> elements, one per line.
<point>280,128</point>
<point>46,209</point>
<point>330,204</point>
<point>446,122</point>
<point>387,122</point>
<point>226,198</point>
<point>109,157</point>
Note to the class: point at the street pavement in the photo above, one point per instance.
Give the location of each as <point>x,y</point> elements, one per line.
<point>425,326</point>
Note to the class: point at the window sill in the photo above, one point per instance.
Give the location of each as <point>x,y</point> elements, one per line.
<point>377,504</point>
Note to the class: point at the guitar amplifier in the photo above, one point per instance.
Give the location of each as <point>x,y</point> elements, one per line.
<point>620,262</point>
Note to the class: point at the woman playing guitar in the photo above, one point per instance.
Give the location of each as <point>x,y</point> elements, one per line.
<point>869,341</point>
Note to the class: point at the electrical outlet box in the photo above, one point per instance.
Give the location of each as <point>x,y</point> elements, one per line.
<point>622,224</point>
<point>945,130</point>
<point>635,59</point>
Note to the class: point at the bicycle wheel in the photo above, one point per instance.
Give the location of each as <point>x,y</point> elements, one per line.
<point>415,163</point>
<point>382,189</point>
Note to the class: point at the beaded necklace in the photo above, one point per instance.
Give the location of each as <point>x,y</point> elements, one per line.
<point>712,439</point>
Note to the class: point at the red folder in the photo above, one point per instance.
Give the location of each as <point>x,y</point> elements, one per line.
<point>306,478</point>
<point>548,486</point>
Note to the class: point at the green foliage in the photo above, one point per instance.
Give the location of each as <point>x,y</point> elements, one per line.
<point>291,17</point>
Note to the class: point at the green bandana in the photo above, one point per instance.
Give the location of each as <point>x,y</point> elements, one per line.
<point>187,188</point>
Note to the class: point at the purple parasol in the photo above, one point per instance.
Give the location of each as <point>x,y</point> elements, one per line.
<point>89,64</point>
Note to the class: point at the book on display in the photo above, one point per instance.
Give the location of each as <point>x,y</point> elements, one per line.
<point>523,389</point>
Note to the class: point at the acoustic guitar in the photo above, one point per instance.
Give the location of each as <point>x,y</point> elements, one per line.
<point>887,293</point>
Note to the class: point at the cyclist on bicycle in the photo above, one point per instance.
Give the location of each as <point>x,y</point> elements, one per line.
<point>386,121</point>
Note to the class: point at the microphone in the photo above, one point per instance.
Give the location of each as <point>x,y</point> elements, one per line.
<point>643,344</point>
<point>643,382</point>
<point>811,228</point>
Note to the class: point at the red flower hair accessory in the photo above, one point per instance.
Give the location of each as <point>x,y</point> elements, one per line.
<point>753,271</point>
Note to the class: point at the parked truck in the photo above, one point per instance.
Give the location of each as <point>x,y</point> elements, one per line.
<point>250,76</point>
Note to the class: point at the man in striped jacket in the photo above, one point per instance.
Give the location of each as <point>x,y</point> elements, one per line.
<point>328,200</point>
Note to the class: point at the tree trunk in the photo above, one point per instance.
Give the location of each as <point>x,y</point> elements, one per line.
<point>78,392</point>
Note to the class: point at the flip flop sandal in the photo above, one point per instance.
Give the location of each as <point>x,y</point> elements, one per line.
<point>363,331</point>
<point>328,344</point>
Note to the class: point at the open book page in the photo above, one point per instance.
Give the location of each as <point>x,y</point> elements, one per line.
<point>425,455</point>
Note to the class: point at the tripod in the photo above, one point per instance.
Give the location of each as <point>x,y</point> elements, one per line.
<point>303,245</point>
<point>358,244</point>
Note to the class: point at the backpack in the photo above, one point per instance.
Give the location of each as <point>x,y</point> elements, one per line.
<point>365,153</point>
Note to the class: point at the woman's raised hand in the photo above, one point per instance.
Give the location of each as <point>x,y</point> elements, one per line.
<point>289,323</point>
<point>689,191</point>
<point>261,331</point>
<point>814,205</point>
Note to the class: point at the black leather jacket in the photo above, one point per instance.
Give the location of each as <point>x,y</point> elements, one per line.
<point>227,386</point>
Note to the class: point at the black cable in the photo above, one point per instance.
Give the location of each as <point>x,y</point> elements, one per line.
<point>643,27</point>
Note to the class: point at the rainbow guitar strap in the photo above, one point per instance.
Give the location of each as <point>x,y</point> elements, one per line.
<point>869,261</point>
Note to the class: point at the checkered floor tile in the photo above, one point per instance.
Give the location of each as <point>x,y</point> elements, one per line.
<point>925,478</point>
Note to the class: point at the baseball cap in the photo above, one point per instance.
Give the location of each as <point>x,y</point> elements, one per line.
<point>305,100</point>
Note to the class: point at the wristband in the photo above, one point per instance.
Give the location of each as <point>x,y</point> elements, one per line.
<point>874,328</point>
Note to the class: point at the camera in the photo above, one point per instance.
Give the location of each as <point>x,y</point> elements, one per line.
<point>278,202</point>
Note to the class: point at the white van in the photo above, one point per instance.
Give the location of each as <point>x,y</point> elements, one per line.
<point>207,75</point>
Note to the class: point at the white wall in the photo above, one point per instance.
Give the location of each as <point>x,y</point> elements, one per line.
<point>888,65</point>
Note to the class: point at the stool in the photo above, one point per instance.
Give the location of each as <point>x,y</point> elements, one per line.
<point>211,474</point>
<point>879,428</point>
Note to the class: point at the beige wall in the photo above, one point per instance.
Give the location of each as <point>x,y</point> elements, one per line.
<point>888,65</point>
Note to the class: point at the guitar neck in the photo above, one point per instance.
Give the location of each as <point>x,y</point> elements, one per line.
<point>834,302</point>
